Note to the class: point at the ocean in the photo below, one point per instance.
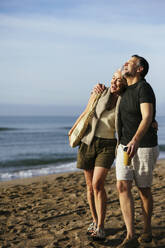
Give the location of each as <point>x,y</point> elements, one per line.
<point>38,145</point>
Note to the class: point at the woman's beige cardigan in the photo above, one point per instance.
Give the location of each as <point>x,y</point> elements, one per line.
<point>101,106</point>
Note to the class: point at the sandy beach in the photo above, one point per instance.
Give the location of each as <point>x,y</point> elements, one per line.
<point>53,212</point>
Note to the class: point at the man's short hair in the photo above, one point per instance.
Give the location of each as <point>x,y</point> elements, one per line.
<point>142,62</point>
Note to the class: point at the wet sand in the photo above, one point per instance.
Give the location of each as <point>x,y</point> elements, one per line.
<point>52,212</point>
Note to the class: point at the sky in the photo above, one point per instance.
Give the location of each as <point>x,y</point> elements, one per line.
<point>52,52</point>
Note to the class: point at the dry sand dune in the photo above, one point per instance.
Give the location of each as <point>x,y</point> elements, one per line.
<point>52,212</point>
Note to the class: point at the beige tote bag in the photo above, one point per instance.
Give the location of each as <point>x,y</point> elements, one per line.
<point>79,131</point>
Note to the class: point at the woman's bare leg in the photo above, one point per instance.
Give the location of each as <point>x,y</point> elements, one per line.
<point>90,194</point>
<point>99,176</point>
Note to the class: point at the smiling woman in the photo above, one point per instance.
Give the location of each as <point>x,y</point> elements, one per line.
<point>97,150</point>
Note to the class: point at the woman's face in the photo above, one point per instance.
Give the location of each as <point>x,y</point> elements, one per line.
<point>117,83</point>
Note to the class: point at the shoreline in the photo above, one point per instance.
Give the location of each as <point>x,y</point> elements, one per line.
<point>28,180</point>
<point>52,212</point>
<point>35,179</point>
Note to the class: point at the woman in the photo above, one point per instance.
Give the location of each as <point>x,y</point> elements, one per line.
<point>97,152</point>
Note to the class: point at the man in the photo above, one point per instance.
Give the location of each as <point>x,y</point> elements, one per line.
<point>136,113</point>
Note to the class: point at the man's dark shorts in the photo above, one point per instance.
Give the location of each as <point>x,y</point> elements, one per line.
<point>101,153</point>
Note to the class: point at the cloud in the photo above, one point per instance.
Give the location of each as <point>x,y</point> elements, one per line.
<point>54,53</point>
<point>61,28</point>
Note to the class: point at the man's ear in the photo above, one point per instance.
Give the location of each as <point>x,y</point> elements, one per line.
<point>140,69</point>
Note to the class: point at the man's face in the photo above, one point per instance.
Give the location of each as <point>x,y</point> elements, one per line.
<point>130,67</point>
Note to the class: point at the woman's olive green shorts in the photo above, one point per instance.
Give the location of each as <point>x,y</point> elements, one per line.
<point>101,153</point>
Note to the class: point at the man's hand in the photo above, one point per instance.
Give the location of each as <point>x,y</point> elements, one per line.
<point>155,125</point>
<point>99,88</point>
<point>132,148</point>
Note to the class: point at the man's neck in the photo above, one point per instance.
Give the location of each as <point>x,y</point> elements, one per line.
<point>133,80</point>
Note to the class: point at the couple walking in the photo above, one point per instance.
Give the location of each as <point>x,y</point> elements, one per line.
<point>128,108</point>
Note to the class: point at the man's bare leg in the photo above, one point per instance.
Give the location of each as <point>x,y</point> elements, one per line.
<point>127,206</point>
<point>147,207</point>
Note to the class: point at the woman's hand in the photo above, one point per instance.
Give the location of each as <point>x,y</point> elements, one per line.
<point>98,88</point>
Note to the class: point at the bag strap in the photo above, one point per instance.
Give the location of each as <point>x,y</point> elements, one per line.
<point>96,101</point>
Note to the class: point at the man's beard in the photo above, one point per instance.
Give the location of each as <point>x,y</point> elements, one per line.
<point>128,74</point>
